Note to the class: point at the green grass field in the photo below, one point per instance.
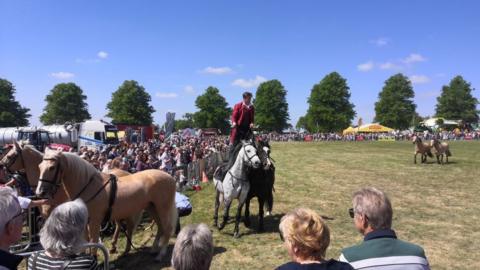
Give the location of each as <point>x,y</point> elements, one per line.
<point>434,206</point>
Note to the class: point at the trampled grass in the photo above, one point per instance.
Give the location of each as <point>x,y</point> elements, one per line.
<point>435,206</point>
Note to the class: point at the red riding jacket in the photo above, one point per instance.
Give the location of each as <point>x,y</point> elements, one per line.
<point>241,114</point>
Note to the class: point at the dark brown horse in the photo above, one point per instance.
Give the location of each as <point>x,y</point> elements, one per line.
<point>261,185</point>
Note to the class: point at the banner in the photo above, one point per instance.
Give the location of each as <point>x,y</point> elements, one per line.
<point>169,124</point>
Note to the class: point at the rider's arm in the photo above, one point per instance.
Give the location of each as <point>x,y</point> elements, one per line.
<point>235,115</point>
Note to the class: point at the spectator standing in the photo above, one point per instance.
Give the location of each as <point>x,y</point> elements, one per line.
<point>11,221</point>
<point>193,248</point>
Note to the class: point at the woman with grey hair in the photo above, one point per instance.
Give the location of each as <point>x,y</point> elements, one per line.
<point>193,249</point>
<point>63,238</point>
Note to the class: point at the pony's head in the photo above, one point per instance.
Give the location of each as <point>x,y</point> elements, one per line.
<point>12,160</point>
<point>416,139</point>
<point>264,151</point>
<point>50,174</point>
<point>248,153</point>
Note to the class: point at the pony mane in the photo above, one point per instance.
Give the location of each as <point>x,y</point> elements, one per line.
<point>32,149</point>
<point>78,170</point>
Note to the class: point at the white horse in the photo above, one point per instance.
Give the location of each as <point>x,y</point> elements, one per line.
<point>235,184</point>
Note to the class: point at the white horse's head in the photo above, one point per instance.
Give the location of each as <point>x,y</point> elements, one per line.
<point>249,155</point>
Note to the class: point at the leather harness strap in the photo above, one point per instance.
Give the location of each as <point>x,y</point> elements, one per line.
<point>113,196</point>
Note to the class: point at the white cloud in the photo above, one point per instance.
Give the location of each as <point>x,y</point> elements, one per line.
<point>389,65</point>
<point>62,75</point>
<point>380,42</point>
<point>217,70</point>
<point>365,66</point>
<point>413,58</point>
<point>419,79</point>
<point>102,55</point>
<point>249,83</point>
<point>166,95</point>
<point>189,89</point>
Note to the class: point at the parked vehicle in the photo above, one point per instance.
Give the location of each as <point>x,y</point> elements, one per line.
<point>38,137</point>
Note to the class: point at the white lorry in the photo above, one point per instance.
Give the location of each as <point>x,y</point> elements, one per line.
<point>91,133</point>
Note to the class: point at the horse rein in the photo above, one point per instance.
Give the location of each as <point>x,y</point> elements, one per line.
<point>55,182</point>
<point>12,160</point>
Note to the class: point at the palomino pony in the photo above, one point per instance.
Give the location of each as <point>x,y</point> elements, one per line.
<point>26,158</point>
<point>421,148</point>
<point>440,149</point>
<point>153,190</point>
<point>261,185</point>
<point>235,184</point>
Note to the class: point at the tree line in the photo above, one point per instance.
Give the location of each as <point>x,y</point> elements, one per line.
<point>329,110</point>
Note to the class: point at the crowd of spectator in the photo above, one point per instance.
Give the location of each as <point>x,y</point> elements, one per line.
<point>455,135</point>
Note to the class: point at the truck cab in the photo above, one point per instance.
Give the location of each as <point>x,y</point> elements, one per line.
<point>39,138</point>
<point>95,134</point>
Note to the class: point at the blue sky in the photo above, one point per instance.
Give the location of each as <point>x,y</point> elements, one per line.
<point>176,49</point>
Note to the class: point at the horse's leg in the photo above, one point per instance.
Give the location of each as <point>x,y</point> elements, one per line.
<point>153,213</point>
<point>415,158</point>
<point>441,158</point>
<point>131,223</point>
<point>118,225</point>
<point>269,202</point>
<point>217,205</point>
<point>226,209</point>
<point>242,197</point>
<point>167,224</point>
<point>246,218</point>
<point>438,159</point>
<point>261,203</point>
<point>94,234</point>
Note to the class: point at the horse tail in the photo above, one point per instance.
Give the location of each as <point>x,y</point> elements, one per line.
<point>448,153</point>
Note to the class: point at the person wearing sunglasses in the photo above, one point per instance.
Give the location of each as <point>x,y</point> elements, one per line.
<point>11,221</point>
<point>372,215</point>
<point>307,237</point>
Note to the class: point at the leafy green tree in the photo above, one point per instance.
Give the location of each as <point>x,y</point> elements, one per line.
<point>185,122</point>
<point>65,103</point>
<point>11,112</point>
<point>271,107</point>
<point>330,109</point>
<point>395,107</point>
<point>457,102</point>
<point>213,110</point>
<point>130,105</point>
<point>301,123</point>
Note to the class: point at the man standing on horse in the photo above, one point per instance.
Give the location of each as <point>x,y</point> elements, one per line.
<point>242,118</point>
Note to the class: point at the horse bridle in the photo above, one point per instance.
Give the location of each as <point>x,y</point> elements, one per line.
<point>246,154</point>
<point>55,182</point>
<point>11,161</point>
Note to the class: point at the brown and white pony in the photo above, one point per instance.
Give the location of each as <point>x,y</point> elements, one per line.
<point>421,148</point>
<point>152,190</point>
<point>440,149</point>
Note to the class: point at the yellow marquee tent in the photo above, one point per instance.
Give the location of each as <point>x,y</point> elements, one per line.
<point>350,130</point>
<point>374,128</point>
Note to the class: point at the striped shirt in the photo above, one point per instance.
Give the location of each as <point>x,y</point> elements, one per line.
<point>41,261</point>
<point>381,250</point>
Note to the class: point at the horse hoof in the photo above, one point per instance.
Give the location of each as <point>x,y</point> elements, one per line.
<point>221,226</point>
<point>247,223</point>
<point>236,235</point>
<point>269,213</point>
<point>113,250</point>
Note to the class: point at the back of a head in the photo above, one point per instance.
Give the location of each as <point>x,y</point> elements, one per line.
<point>193,249</point>
<point>63,232</point>
<point>375,205</point>
<point>9,206</point>
<point>307,232</point>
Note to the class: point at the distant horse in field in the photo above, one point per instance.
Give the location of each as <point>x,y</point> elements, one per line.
<point>234,184</point>
<point>107,199</point>
<point>421,148</point>
<point>261,185</point>
<point>440,149</point>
